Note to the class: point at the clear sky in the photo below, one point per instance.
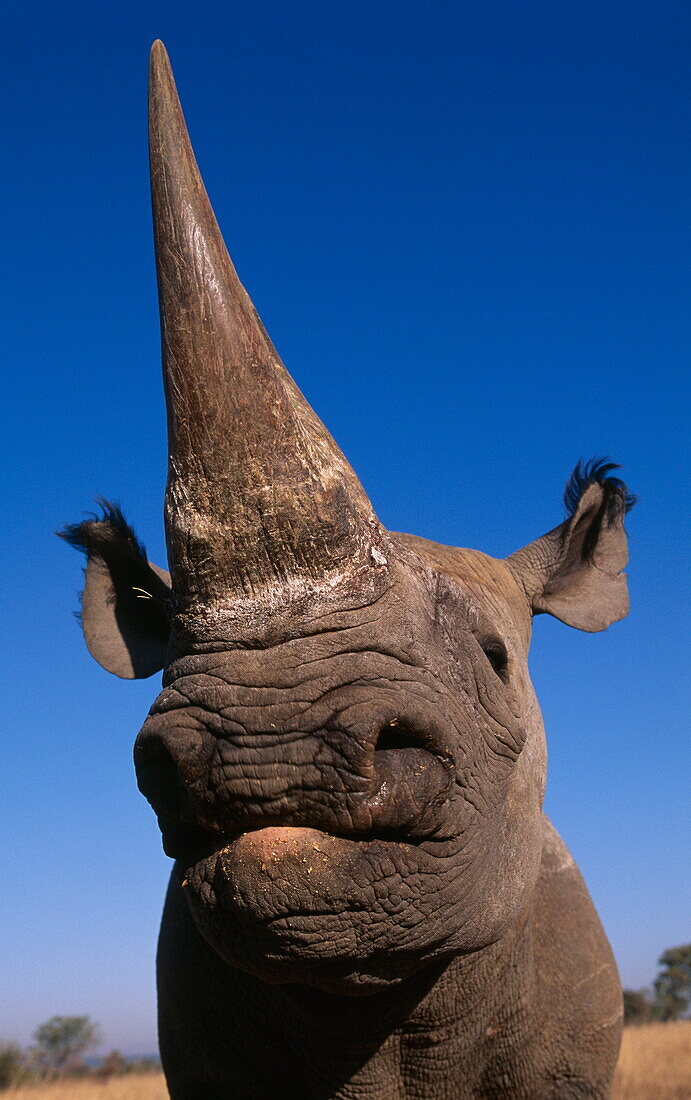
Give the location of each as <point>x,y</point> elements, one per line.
<point>466,227</point>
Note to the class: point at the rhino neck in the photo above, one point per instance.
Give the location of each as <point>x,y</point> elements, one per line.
<point>421,1036</point>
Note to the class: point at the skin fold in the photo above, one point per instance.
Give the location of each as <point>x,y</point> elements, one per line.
<point>346,758</point>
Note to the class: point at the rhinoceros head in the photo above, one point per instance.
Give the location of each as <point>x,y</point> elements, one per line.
<point>347,758</point>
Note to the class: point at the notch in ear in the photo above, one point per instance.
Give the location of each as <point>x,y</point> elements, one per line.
<point>575,572</point>
<point>125,613</point>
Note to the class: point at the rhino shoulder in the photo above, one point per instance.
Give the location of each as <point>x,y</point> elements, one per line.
<point>578,988</point>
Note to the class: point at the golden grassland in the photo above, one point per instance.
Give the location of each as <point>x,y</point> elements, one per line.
<point>655,1064</point>
<point>133,1086</point>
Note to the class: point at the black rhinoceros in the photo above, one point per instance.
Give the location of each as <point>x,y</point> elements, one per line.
<point>347,758</point>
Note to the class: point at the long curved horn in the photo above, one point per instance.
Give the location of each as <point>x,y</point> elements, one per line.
<point>258,492</point>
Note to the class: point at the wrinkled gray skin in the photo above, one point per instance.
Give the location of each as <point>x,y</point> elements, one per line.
<point>347,758</point>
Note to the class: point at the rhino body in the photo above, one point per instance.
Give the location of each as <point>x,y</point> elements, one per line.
<point>347,758</point>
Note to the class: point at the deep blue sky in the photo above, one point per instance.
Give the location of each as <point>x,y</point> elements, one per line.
<point>466,227</point>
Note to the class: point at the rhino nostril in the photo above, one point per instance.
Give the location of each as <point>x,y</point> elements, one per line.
<point>411,780</point>
<point>158,777</point>
<point>397,735</point>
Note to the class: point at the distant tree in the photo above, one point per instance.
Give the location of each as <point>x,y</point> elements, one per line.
<point>112,1065</point>
<point>11,1064</point>
<point>673,983</point>
<point>144,1065</point>
<point>639,1007</point>
<point>62,1040</point>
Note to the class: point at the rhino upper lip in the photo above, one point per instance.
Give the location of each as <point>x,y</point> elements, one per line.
<point>190,844</point>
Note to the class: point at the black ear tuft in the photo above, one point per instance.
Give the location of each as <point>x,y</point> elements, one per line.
<point>617,500</point>
<point>110,539</point>
<point>105,536</point>
<point>125,611</point>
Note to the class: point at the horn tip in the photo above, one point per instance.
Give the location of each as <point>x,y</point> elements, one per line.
<point>158,59</point>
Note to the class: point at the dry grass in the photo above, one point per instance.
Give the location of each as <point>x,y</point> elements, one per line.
<point>655,1063</point>
<point>135,1086</point>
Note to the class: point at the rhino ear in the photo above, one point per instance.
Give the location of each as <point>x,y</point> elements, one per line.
<point>575,572</point>
<point>125,603</point>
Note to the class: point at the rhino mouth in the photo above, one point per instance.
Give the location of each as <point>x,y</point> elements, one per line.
<point>293,903</point>
<point>190,845</point>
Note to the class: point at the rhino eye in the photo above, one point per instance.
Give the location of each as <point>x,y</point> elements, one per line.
<point>495,652</point>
